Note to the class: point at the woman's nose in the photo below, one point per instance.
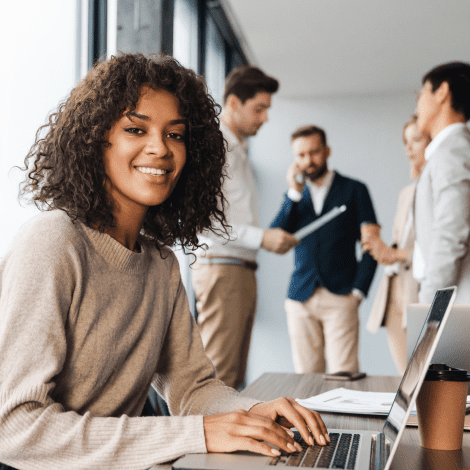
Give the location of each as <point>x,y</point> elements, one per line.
<point>157,146</point>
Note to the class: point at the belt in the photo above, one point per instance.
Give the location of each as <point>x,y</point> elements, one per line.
<point>240,262</point>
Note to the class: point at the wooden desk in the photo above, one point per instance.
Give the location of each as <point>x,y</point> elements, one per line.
<point>409,456</point>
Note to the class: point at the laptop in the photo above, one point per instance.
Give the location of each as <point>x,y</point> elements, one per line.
<point>349,449</point>
<point>453,348</point>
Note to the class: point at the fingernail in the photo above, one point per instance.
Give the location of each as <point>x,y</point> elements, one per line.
<point>322,440</point>
<point>291,433</point>
<point>291,447</point>
<point>298,447</point>
<point>327,436</point>
<point>275,452</point>
<point>310,441</point>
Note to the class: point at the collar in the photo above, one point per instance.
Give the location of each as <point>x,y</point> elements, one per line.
<point>232,139</point>
<point>441,136</point>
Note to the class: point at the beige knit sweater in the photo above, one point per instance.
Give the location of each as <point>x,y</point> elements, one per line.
<point>85,327</point>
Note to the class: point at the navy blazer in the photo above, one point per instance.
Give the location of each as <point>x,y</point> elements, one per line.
<point>327,257</point>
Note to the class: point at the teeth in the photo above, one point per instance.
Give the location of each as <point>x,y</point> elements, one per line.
<point>151,171</point>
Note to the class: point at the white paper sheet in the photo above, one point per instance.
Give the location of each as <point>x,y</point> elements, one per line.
<point>343,400</point>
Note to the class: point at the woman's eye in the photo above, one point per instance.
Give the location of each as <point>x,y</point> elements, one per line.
<point>134,130</point>
<point>176,136</point>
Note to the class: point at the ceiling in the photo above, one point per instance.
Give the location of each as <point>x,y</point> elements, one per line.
<point>320,48</point>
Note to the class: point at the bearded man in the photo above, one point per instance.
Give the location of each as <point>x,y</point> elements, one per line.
<point>328,282</point>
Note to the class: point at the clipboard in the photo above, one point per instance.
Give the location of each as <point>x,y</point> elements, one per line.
<point>320,222</point>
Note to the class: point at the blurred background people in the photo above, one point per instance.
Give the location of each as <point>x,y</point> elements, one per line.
<point>328,283</point>
<point>224,278</point>
<point>442,201</point>
<point>398,288</point>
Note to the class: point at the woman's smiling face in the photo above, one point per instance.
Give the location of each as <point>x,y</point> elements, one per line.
<point>147,152</point>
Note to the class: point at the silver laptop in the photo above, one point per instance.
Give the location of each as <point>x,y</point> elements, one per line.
<point>454,347</point>
<point>349,449</point>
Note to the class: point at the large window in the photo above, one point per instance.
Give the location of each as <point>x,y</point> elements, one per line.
<point>139,26</point>
<point>215,66</point>
<point>196,32</point>
<point>185,33</point>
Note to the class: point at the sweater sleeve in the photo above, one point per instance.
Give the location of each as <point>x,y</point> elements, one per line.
<point>38,278</point>
<point>186,376</point>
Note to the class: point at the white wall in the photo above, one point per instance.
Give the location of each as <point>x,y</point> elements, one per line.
<point>38,45</point>
<point>364,133</point>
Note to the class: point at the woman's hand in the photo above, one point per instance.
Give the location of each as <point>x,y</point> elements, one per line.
<point>380,251</point>
<point>288,413</point>
<point>243,430</point>
<point>253,430</point>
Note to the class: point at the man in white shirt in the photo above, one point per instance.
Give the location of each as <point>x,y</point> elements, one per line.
<point>442,201</point>
<point>328,282</point>
<point>224,276</point>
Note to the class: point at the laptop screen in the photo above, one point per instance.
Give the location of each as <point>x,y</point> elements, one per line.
<point>418,364</point>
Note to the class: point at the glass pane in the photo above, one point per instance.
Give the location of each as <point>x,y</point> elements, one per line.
<point>215,61</point>
<point>185,33</point>
<point>235,60</point>
<point>138,27</point>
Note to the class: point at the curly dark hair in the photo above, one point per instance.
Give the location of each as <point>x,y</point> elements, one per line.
<point>68,171</point>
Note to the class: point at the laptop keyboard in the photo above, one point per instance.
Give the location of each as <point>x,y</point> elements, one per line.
<point>341,452</point>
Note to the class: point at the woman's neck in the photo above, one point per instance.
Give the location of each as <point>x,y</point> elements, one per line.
<point>126,229</point>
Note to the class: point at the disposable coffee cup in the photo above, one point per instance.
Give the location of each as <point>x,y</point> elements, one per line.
<point>441,405</point>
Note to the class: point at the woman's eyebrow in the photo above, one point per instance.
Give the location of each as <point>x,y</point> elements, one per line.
<point>146,118</point>
<point>179,121</point>
<point>137,115</point>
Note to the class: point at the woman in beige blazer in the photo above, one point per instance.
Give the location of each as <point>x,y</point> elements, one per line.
<point>398,288</point>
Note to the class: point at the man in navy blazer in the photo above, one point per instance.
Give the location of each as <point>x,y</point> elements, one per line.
<point>328,282</point>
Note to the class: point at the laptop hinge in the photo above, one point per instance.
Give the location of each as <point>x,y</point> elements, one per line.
<point>380,451</point>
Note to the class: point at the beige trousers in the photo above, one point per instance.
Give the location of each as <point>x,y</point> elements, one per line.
<point>226,304</point>
<point>324,330</point>
<point>396,334</point>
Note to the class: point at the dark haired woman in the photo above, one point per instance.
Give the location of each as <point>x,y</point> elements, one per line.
<point>92,308</point>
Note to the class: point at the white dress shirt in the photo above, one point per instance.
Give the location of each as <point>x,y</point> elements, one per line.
<point>441,136</point>
<point>242,209</point>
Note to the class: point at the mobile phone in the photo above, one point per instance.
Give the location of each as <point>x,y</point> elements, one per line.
<point>300,178</point>
<point>345,376</point>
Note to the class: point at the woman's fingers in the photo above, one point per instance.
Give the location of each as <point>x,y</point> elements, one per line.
<point>306,421</point>
<point>314,423</point>
<point>289,413</point>
<point>242,430</point>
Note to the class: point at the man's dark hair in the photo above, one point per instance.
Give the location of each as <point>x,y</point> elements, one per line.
<point>246,81</point>
<point>457,75</point>
<point>306,131</point>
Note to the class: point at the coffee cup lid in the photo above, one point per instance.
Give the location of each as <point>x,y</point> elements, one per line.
<point>445,373</point>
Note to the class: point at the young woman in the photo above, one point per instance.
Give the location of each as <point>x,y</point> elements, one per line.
<point>92,308</point>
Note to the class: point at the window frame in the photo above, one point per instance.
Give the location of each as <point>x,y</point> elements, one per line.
<point>102,38</point>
